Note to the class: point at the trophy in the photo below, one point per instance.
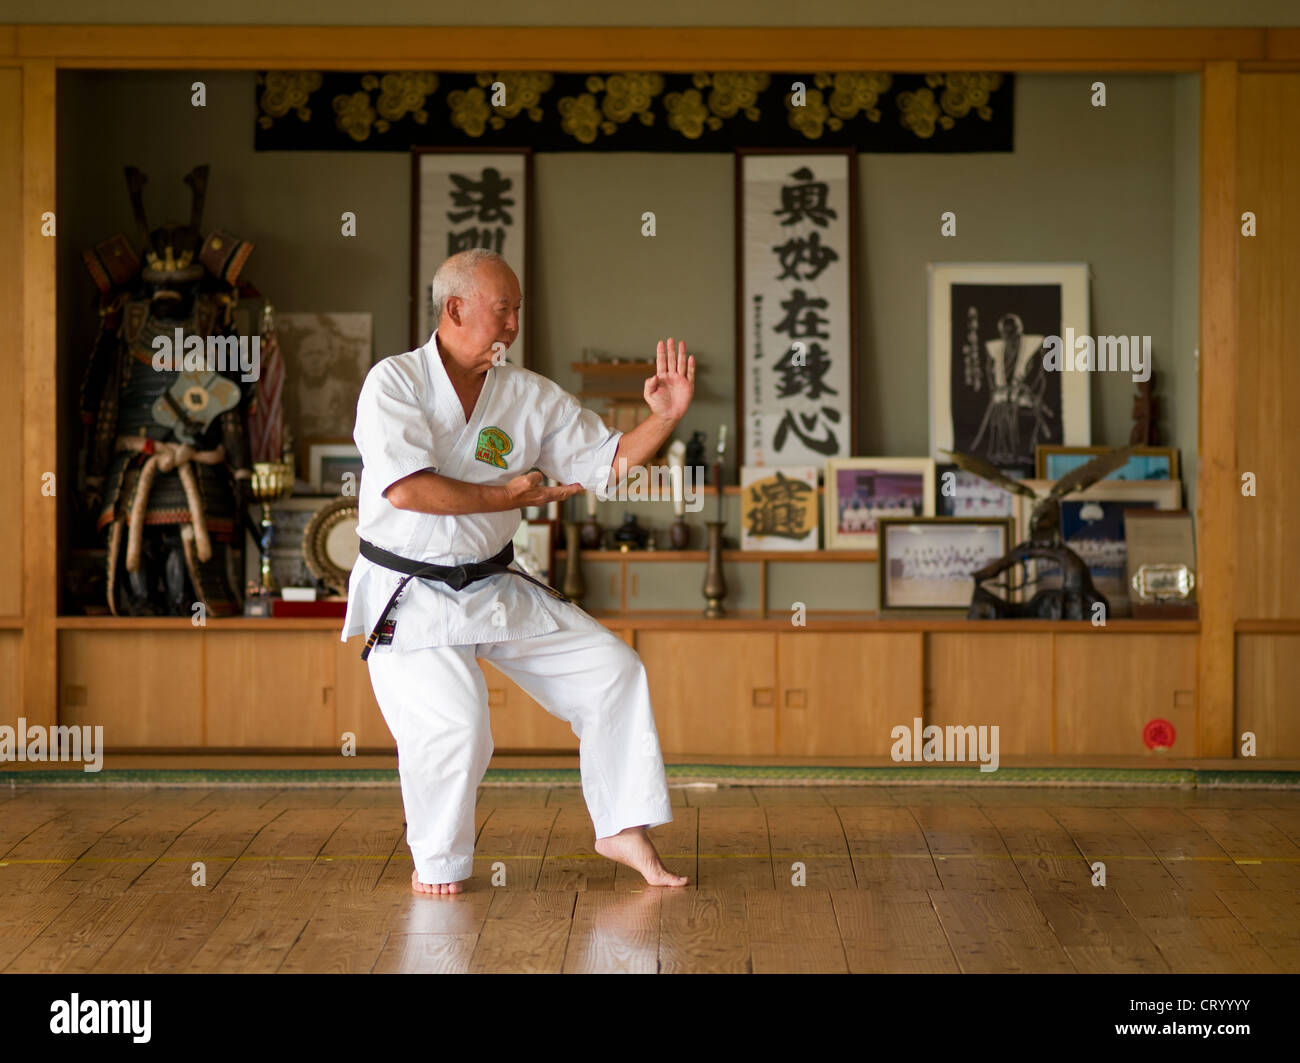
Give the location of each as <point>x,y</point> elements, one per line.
<point>272,480</point>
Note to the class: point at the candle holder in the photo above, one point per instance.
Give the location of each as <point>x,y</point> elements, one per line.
<point>679,534</point>
<point>575,589</point>
<point>715,583</point>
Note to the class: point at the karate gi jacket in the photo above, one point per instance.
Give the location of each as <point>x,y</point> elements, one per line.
<point>409,418</point>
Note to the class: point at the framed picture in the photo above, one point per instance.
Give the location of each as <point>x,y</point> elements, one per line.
<point>1149,463</point>
<point>779,507</point>
<point>928,563</point>
<point>796,305</point>
<point>463,198</point>
<point>326,359</point>
<point>991,394</point>
<point>959,493</point>
<point>1092,525</point>
<point>859,491</point>
<point>329,465</point>
<point>535,548</point>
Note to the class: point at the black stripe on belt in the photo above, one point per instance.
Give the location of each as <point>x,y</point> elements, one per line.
<point>457,577</point>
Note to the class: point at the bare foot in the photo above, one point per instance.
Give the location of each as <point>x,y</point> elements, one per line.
<point>634,848</point>
<point>437,887</point>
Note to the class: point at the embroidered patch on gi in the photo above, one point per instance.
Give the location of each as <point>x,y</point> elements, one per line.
<point>493,446</point>
<point>386,633</point>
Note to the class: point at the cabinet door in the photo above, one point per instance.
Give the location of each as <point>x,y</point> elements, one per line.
<point>519,722</point>
<point>982,678</point>
<point>841,693</point>
<point>144,687</point>
<point>1108,687</point>
<point>1268,671</point>
<point>270,690</point>
<point>714,693</point>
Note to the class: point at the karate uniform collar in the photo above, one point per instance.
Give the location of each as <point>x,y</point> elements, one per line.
<point>446,391</point>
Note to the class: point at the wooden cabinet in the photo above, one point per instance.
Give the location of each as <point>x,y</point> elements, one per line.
<point>356,709</point>
<point>840,694</point>
<point>1002,680</point>
<point>712,692</point>
<point>1109,688</point>
<point>1268,673</point>
<point>145,688</point>
<point>272,689</point>
<point>11,673</point>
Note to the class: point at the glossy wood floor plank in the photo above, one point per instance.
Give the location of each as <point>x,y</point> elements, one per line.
<point>898,880</point>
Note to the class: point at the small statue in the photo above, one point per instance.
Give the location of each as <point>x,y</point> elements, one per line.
<point>698,471</point>
<point>1077,597</point>
<point>630,535</point>
<point>1146,414</point>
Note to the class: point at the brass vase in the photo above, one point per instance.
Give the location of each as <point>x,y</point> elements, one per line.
<point>679,534</point>
<point>574,587</point>
<point>715,584</point>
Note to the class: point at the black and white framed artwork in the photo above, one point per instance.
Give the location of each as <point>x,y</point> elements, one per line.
<point>991,393</point>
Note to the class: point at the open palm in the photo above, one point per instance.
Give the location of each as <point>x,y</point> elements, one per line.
<point>669,392</point>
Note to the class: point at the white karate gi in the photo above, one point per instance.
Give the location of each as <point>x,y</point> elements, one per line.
<point>431,693</point>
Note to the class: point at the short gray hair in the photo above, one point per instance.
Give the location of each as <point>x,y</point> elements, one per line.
<point>455,276</point>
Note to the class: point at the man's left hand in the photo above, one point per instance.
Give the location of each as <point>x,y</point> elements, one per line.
<point>669,392</point>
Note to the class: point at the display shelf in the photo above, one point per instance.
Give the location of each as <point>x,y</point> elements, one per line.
<point>659,620</point>
<point>727,555</point>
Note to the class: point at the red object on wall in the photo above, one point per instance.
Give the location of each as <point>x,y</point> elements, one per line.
<point>1159,735</point>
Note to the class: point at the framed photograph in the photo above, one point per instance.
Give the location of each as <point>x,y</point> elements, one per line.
<point>328,466</point>
<point>779,507</point>
<point>1092,525</point>
<point>991,395</point>
<point>928,563</point>
<point>535,548</point>
<point>963,494</point>
<point>796,305</point>
<point>859,491</point>
<point>463,198</point>
<point>326,359</point>
<point>1149,463</point>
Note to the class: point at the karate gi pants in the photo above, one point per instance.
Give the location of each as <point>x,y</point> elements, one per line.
<point>435,702</point>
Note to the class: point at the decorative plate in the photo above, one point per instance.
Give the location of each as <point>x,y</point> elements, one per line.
<point>330,545</point>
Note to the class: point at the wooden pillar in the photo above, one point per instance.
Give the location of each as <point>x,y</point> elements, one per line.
<point>38,511</point>
<point>1218,492</point>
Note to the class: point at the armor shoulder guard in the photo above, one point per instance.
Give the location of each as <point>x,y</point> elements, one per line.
<point>223,255</point>
<point>111,264</point>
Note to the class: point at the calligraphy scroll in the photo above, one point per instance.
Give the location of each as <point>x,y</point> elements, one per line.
<point>795,317</point>
<point>464,199</point>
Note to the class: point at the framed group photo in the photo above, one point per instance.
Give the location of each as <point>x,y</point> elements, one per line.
<point>860,491</point>
<point>929,563</point>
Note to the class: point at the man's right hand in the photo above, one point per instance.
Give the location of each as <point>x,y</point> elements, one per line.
<point>528,490</point>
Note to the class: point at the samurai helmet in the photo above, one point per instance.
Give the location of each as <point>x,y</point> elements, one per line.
<point>170,250</point>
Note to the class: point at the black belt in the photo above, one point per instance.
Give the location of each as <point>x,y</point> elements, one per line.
<point>455,576</point>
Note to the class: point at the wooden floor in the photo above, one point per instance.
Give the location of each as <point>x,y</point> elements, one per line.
<point>896,879</point>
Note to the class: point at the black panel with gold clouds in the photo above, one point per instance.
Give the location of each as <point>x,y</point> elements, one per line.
<point>870,111</point>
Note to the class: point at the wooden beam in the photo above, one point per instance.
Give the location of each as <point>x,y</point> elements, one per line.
<point>799,48</point>
<point>1218,491</point>
<point>40,400</point>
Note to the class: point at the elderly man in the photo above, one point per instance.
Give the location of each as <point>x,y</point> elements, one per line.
<point>447,435</point>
